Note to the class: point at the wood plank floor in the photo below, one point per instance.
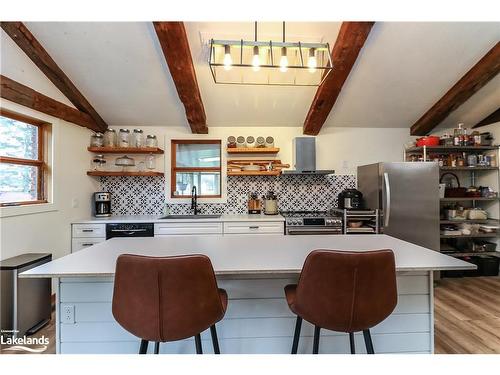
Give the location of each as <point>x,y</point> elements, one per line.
<point>466,313</point>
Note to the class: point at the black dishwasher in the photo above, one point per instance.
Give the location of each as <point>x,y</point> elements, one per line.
<point>129,230</point>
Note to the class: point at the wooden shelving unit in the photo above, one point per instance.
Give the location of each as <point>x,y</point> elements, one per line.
<point>125,150</point>
<point>253,150</point>
<point>110,173</point>
<point>254,173</point>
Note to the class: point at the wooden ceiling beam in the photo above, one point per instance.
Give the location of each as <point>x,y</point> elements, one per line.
<point>491,119</point>
<point>26,96</point>
<point>478,76</point>
<point>175,46</point>
<point>350,41</point>
<point>35,51</point>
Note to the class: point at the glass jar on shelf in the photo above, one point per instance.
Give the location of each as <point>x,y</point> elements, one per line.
<point>150,162</point>
<point>98,162</point>
<point>151,141</point>
<point>124,138</point>
<point>110,138</point>
<point>138,139</point>
<point>96,140</point>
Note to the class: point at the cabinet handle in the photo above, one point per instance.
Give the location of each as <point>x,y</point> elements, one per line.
<point>254,227</point>
<point>87,230</point>
<point>87,244</point>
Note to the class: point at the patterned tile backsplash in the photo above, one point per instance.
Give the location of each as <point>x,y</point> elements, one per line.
<point>146,195</point>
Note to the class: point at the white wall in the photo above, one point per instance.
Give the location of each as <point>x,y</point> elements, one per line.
<point>342,149</point>
<point>49,231</point>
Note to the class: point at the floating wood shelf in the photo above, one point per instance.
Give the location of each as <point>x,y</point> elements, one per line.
<point>109,173</point>
<point>253,150</point>
<point>126,150</point>
<point>254,173</point>
<point>487,221</point>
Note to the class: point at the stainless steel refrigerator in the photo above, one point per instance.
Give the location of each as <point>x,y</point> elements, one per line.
<point>407,195</point>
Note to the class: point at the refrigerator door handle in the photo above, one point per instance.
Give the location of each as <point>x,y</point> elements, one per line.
<point>387,212</point>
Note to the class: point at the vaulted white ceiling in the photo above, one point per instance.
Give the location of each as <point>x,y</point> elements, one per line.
<point>403,69</point>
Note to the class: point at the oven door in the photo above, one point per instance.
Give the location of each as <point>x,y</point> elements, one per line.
<point>313,230</point>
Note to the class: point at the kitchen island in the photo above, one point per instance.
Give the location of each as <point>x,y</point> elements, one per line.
<point>254,271</point>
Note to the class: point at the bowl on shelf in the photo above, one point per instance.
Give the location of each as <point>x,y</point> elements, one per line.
<point>355,224</point>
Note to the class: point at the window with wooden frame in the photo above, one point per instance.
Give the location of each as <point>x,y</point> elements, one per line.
<point>22,160</point>
<point>195,163</point>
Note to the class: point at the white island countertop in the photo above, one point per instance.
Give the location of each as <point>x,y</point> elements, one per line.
<point>158,219</point>
<point>243,255</point>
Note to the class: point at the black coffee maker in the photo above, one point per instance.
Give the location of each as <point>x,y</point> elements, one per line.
<point>350,199</point>
<point>101,204</point>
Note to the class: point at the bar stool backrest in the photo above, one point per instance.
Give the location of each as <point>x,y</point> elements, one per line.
<point>347,291</point>
<point>165,298</point>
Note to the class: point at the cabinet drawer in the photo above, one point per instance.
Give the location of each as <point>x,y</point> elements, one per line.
<point>89,230</point>
<point>187,228</point>
<point>78,244</point>
<point>254,227</point>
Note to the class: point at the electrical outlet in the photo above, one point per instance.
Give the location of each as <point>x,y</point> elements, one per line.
<point>68,314</point>
<point>74,203</point>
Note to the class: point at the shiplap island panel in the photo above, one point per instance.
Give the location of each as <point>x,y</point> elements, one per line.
<point>254,273</point>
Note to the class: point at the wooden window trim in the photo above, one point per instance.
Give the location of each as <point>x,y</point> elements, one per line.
<point>174,169</point>
<point>39,163</point>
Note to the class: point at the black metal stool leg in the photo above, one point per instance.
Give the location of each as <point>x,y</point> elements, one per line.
<point>316,340</point>
<point>368,341</point>
<point>351,341</point>
<point>143,349</point>
<point>296,335</point>
<point>197,341</point>
<point>157,347</point>
<point>215,341</point>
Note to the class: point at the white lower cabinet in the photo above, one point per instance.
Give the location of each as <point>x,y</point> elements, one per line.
<point>169,229</point>
<point>253,227</point>
<point>85,235</point>
<point>78,244</point>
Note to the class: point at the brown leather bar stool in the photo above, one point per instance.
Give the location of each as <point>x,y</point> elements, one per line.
<point>164,299</point>
<point>344,291</point>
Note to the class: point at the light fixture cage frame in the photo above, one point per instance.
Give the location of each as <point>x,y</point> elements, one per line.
<point>326,69</point>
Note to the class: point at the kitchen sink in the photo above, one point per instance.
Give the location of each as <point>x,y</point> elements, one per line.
<point>190,217</point>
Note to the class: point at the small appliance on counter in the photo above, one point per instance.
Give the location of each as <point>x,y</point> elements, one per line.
<point>254,204</point>
<point>350,199</point>
<point>270,204</point>
<point>101,204</point>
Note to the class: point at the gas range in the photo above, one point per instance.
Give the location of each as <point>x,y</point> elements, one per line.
<point>312,222</point>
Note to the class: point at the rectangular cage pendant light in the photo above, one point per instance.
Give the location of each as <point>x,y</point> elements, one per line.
<point>269,63</point>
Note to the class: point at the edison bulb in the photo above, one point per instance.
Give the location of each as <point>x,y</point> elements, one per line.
<point>311,62</point>
<point>283,60</point>
<point>228,61</point>
<point>256,59</point>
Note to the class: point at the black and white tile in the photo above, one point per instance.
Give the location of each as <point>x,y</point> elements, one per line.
<point>146,195</point>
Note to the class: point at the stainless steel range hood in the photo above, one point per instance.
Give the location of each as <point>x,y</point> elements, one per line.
<point>304,157</point>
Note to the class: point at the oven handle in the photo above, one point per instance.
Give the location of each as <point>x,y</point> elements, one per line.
<point>128,230</point>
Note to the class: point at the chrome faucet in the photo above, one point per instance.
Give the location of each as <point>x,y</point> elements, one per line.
<point>194,200</point>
